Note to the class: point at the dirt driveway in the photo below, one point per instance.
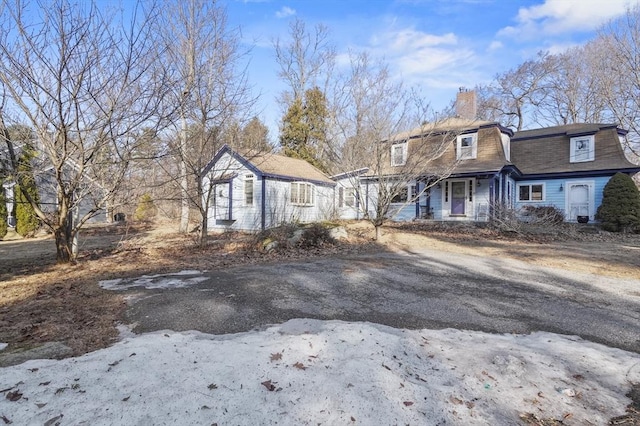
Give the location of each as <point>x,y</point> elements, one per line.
<point>416,277</point>
<point>421,288</point>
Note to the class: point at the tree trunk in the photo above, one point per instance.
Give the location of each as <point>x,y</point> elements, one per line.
<point>64,241</point>
<point>378,232</point>
<point>203,230</point>
<point>184,181</point>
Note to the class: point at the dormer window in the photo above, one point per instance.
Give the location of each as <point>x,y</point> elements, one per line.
<point>467,146</point>
<point>399,154</point>
<point>582,149</point>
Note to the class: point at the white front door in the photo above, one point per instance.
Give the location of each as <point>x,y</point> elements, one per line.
<point>579,200</point>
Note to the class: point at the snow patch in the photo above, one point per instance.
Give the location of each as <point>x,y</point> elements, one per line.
<point>330,372</point>
<point>180,279</point>
<point>3,345</point>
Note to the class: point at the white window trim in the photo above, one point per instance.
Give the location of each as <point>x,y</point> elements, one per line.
<point>403,146</point>
<point>309,189</point>
<point>544,192</point>
<point>573,148</point>
<point>350,197</point>
<point>246,187</point>
<point>474,147</point>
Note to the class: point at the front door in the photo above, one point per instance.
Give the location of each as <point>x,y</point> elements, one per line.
<point>458,198</point>
<point>578,200</point>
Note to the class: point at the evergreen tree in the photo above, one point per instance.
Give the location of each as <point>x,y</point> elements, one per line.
<point>620,208</point>
<point>303,132</point>
<point>27,221</point>
<point>3,212</point>
<point>146,209</point>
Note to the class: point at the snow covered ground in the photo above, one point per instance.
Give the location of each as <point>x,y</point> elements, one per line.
<point>324,372</point>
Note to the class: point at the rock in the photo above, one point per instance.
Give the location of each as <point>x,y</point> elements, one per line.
<point>270,246</point>
<point>296,238</point>
<point>50,350</point>
<point>338,233</point>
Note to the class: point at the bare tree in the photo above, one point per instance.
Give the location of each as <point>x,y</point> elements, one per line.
<point>371,114</point>
<point>210,87</point>
<point>306,63</point>
<point>514,94</point>
<point>571,88</point>
<point>619,72</point>
<point>81,79</point>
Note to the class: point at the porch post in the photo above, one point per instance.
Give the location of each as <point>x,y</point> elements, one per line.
<point>417,199</point>
<point>263,207</point>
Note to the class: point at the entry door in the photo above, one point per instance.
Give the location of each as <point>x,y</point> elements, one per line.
<point>579,200</point>
<point>458,197</point>
<point>221,201</point>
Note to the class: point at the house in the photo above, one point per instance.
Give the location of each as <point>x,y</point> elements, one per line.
<point>254,192</point>
<point>565,167</point>
<point>89,191</point>
<point>568,166</point>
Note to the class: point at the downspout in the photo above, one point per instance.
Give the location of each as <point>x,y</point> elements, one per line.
<point>230,199</point>
<point>491,197</point>
<point>417,199</point>
<point>263,207</point>
<point>366,201</point>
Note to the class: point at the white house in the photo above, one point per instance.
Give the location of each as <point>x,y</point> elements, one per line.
<point>254,192</point>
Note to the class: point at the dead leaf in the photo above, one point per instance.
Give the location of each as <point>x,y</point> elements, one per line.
<point>276,357</point>
<point>386,367</point>
<point>54,421</point>
<point>44,383</point>
<point>270,386</point>
<point>353,419</point>
<point>456,400</point>
<point>299,366</point>
<point>14,396</point>
<point>212,386</point>
<point>126,399</point>
<point>40,405</point>
<point>6,420</point>
<point>408,403</point>
<point>469,404</point>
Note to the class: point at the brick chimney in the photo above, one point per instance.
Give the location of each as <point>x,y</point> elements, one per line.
<point>466,106</point>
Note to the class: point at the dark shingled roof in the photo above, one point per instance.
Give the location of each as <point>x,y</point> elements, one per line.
<point>547,150</point>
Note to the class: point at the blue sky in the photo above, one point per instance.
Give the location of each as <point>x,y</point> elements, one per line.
<point>434,45</point>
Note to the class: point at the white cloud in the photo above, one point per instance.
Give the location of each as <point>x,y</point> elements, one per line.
<point>285,12</point>
<point>496,45</point>
<point>561,16</point>
<point>420,57</point>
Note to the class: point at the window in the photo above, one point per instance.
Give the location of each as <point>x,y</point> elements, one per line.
<point>401,196</point>
<point>248,190</point>
<point>582,149</point>
<point>531,192</point>
<point>302,193</point>
<point>467,146</point>
<point>350,197</point>
<point>399,154</point>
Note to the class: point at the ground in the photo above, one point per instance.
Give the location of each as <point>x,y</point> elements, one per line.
<point>42,301</point>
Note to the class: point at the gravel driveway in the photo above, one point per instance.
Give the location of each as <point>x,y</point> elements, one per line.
<point>417,289</point>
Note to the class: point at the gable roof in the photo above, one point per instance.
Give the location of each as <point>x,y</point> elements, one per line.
<point>547,150</point>
<point>275,166</point>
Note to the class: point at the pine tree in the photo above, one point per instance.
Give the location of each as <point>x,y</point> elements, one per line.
<point>27,221</point>
<point>303,132</point>
<point>620,208</point>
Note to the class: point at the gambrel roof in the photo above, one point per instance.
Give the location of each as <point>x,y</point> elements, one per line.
<point>547,150</point>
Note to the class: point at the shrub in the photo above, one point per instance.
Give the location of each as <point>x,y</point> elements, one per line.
<point>544,214</point>
<point>315,235</point>
<point>620,208</point>
<point>27,222</point>
<point>146,209</point>
<point>3,213</point>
